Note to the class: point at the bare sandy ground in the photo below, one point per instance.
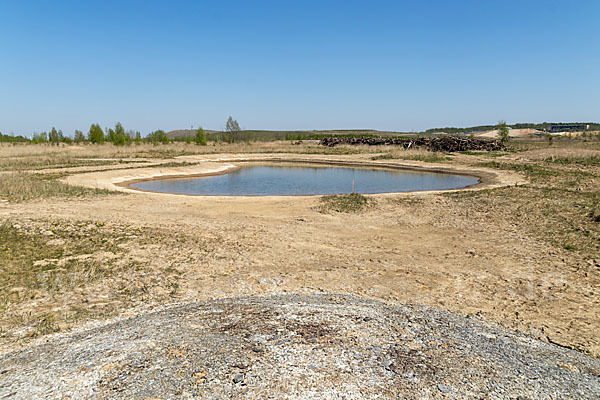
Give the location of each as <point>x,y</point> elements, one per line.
<point>417,248</point>
<point>513,133</point>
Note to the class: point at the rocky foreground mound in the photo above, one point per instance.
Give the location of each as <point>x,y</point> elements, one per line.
<point>300,347</point>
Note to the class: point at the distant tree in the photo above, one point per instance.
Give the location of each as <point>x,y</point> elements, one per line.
<point>96,134</point>
<point>200,137</point>
<point>232,128</point>
<point>55,136</point>
<point>503,131</point>
<point>64,138</point>
<point>78,136</point>
<point>40,137</point>
<point>232,125</point>
<point>117,136</point>
<point>138,138</point>
<point>158,136</point>
<point>110,135</point>
<point>129,137</point>
<point>120,136</point>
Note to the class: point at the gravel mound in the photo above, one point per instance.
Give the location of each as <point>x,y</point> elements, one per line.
<point>298,347</point>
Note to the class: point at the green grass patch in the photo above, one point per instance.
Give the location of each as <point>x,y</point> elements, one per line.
<point>387,156</point>
<point>345,203</point>
<point>484,153</point>
<point>429,157</point>
<point>546,175</point>
<point>530,169</point>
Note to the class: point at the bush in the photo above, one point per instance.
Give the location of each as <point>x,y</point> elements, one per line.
<point>96,134</point>
<point>157,137</point>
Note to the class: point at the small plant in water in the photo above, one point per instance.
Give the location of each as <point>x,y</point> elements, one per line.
<point>346,203</point>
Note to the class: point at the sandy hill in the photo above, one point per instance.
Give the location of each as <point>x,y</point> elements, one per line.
<point>516,133</point>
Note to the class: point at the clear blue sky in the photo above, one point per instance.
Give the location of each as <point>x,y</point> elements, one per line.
<point>393,65</point>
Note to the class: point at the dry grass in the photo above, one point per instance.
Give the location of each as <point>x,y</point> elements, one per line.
<point>55,274</point>
<point>560,205</point>
<point>23,186</point>
<point>47,263</point>
<point>68,153</point>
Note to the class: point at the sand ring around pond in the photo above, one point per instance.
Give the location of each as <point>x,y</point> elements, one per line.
<point>204,166</point>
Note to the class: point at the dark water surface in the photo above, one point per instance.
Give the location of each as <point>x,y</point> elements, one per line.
<point>307,180</point>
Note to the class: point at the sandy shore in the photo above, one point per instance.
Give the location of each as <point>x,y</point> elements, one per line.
<point>120,180</point>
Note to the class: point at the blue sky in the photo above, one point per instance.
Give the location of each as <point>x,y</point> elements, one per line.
<point>389,65</point>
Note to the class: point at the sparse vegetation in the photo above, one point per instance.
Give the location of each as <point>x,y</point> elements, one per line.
<point>46,261</point>
<point>24,186</point>
<point>425,156</point>
<point>345,203</point>
<point>561,205</point>
<point>586,161</point>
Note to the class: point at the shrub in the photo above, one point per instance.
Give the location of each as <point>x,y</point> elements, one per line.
<point>200,137</point>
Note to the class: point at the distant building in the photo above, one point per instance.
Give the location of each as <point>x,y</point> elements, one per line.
<point>566,128</point>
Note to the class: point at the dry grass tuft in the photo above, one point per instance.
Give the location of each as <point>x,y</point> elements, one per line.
<point>345,203</point>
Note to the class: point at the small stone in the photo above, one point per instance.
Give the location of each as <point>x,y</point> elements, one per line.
<point>445,388</point>
<point>238,378</point>
<point>387,364</point>
<point>200,377</point>
<point>55,242</point>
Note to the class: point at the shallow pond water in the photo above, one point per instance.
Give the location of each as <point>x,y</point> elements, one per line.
<point>279,180</point>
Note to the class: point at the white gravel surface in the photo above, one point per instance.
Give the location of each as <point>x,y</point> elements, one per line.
<point>297,347</point>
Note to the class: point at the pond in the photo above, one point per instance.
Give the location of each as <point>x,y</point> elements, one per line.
<point>290,180</point>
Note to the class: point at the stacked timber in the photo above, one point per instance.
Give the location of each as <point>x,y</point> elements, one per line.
<point>447,144</point>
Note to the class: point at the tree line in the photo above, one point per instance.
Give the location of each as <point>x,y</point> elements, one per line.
<point>96,135</point>
<point>121,137</point>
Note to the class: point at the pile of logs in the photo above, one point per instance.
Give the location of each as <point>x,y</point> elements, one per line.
<point>447,144</point>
